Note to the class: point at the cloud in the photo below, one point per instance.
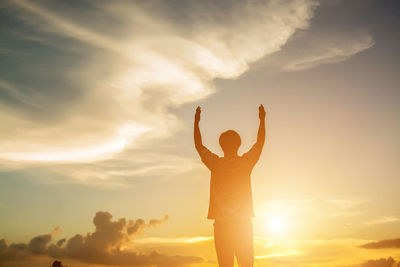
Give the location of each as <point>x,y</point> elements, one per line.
<point>387,243</point>
<point>106,245</point>
<point>39,243</point>
<point>389,262</point>
<point>387,219</point>
<point>312,252</point>
<point>154,222</point>
<point>333,36</point>
<point>180,240</point>
<point>328,50</point>
<point>29,98</point>
<point>106,91</point>
<point>309,49</point>
<point>13,252</point>
<point>61,242</point>
<point>110,88</point>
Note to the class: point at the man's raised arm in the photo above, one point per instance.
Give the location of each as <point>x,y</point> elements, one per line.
<point>197,135</point>
<point>261,129</point>
<point>207,157</point>
<point>255,151</point>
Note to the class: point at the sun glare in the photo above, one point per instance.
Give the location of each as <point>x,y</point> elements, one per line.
<point>276,224</point>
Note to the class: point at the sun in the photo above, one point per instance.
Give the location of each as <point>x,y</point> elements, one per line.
<point>276,224</point>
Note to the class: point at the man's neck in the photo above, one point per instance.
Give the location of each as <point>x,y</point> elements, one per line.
<point>231,156</point>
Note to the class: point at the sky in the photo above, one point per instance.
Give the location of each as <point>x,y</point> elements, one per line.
<point>97,99</point>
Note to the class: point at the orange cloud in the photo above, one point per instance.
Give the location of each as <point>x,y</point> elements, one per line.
<point>103,246</point>
<point>387,243</point>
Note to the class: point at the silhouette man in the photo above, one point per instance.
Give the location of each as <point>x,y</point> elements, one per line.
<point>231,204</point>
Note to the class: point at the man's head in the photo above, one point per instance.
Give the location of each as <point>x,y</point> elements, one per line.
<point>230,142</point>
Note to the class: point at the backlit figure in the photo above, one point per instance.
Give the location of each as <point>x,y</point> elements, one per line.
<point>231,205</point>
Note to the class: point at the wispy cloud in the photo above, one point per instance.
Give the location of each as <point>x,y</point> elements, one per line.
<point>387,219</point>
<point>310,50</point>
<point>27,97</point>
<point>318,252</point>
<point>114,85</point>
<point>50,21</point>
<point>129,74</point>
<point>179,240</point>
<point>329,50</point>
<point>276,255</point>
<point>346,203</point>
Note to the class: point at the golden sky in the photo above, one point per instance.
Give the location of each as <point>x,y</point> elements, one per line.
<point>97,162</point>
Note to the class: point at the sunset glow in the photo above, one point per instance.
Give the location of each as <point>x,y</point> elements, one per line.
<point>102,162</point>
<point>276,224</point>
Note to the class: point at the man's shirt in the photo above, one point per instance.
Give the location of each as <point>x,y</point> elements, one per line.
<point>230,186</point>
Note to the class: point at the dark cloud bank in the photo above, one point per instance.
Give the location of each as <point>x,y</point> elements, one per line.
<point>387,243</point>
<point>103,246</point>
<point>389,262</point>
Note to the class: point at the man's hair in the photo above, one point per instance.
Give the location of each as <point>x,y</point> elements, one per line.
<point>230,141</point>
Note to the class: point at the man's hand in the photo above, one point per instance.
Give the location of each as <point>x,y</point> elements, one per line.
<point>261,112</point>
<point>197,115</point>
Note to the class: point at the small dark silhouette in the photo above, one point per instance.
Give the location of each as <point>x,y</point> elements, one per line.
<point>57,264</point>
<point>231,204</point>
